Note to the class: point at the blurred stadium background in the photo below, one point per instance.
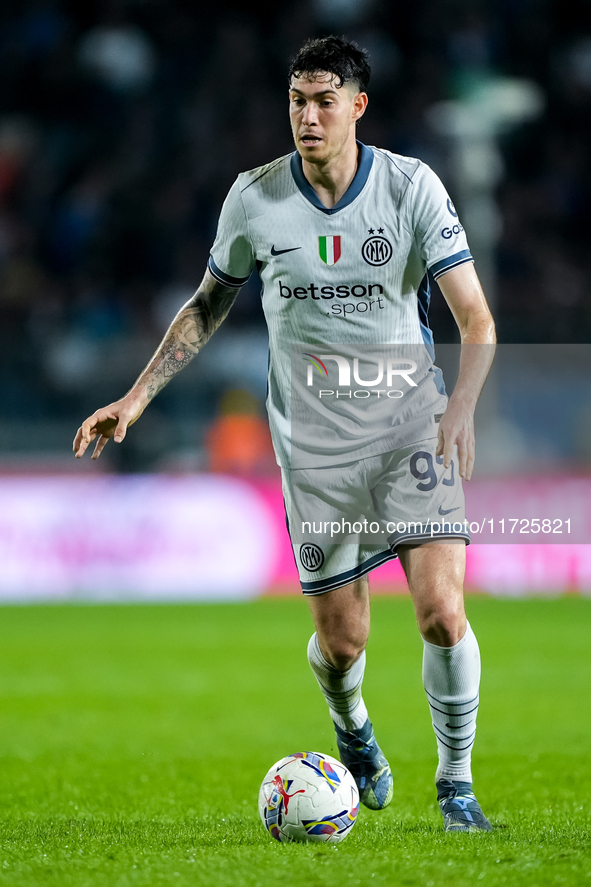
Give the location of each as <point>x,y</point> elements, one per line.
<point>122,126</point>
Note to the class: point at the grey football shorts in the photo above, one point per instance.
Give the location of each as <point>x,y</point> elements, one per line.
<point>348,519</point>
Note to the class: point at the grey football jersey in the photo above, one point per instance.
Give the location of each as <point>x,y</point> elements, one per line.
<point>354,274</point>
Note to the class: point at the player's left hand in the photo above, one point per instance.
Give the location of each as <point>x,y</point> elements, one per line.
<point>456,427</point>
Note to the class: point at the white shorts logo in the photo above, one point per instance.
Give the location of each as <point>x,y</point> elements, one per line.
<point>311,556</point>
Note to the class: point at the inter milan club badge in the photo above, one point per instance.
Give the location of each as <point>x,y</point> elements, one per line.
<point>311,556</point>
<point>376,250</point>
<point>330,249</point>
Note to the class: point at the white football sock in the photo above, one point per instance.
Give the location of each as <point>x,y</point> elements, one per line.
<point>342,689</point>
<point>451,676</point>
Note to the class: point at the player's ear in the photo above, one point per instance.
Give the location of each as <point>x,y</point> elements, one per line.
<point>359,105</point>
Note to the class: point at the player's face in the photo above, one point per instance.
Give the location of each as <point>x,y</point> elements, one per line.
<point>323,116</point>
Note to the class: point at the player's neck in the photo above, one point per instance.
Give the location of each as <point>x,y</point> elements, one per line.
<point>331,180</point>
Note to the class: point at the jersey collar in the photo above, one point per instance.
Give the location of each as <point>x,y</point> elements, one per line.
<point>353,191</point>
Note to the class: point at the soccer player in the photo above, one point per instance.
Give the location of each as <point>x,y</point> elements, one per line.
<point>343,236</point>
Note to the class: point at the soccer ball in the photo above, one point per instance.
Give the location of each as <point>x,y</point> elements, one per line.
<point>308,796</point>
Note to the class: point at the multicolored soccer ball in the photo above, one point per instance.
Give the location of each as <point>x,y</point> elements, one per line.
<point>308,796</point>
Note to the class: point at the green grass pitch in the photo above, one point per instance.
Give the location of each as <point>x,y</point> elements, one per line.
<point>133,740</point>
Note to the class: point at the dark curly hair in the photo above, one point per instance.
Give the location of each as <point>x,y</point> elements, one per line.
<point>337,56</point>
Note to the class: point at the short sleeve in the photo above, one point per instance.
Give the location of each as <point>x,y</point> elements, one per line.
<point>232,258</point>
<point>440,238</point>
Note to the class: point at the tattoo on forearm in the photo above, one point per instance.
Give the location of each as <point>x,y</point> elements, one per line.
<point>189,332</point>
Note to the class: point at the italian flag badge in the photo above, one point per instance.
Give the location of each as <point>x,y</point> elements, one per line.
<point>330,249</point>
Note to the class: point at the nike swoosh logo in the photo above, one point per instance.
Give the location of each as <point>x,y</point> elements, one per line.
<point>279,252</point>
<point>444,511</point>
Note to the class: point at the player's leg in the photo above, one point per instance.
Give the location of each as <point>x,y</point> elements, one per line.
<point>333,578</point>
<point>341,618</point>
<point>336,653</point>
<point>451,672</point>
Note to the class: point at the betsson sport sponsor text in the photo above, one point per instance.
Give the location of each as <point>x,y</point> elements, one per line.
<point>358,291</point>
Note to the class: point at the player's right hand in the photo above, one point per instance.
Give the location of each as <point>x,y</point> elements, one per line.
<point>108,422</point>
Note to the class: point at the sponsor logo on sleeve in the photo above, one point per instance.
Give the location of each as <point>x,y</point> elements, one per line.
<point>446,233</point>
<point>451,208</point>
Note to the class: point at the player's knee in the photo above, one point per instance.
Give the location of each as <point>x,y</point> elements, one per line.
<point>444,623</point>
<point>342,653</point>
